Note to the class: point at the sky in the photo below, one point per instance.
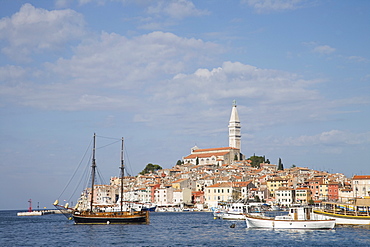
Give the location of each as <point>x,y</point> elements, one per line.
<point>163,74</point>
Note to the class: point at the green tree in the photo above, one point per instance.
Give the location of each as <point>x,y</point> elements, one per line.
<point>311,202</point>
<point>257,160</point>
<point>150,168</point>
<point>179,163</point>
<point>280,166</point>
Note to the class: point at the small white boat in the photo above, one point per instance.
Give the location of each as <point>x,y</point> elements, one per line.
<point>233,216</point>
<point>235,211</point>
<point>298,218</point>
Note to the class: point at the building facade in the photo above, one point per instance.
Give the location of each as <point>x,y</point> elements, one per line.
<point>361,185</point>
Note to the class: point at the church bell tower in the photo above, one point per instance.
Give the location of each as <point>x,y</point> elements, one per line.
<point>234,129</point>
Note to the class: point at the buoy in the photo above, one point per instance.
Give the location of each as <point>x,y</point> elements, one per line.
<point>108,222</point>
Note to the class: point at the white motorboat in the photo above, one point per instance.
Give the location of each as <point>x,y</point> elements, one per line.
<point>235,211</point>
<point>298,218</point>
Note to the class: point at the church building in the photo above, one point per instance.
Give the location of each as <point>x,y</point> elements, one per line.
<point>220,156</point>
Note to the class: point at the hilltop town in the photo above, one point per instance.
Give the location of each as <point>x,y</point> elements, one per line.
<point>206,177</point>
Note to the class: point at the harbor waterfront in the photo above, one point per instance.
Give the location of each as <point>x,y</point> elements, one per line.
<point>166,229</point>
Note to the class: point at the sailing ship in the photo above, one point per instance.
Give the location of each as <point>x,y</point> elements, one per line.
<point>355,213</point>
<point>120,213</point>
<point>298,218</point>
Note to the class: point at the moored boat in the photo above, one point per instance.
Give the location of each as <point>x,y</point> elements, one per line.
<point>298,218</point>
<point>355,213</point>
<point>120,213</point>
<point>232,211</point>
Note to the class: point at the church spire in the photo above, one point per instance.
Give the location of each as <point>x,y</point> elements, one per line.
<point>234,128</point>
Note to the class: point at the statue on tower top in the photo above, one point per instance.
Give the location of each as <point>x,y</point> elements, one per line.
<point>234,102</point>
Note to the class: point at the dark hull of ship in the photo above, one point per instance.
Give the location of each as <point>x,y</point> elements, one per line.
<point>125,219</point>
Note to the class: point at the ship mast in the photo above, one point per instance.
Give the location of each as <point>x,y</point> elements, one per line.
<point>93,169</point>
<point>122,174</point>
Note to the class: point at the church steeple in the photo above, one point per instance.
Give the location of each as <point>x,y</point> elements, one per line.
<point>234,129</point>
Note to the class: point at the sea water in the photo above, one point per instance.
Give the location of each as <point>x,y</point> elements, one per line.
<point>166,229</point>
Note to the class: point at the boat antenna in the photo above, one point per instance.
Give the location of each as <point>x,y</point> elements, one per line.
<point>93,169</point>
<point>122,172</point>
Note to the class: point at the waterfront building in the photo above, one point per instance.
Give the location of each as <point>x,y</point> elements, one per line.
<point>181,196</point>
<point>314,185</point>
<point>302,195</point>
<point>164,196</point>
<point>284,196</point>
<point>198,197</point>
<point>345,194</point>
<point>361,185</point>
<point>103,194</point>
<point>323,194</point>
<point>219,192</point>
<point>333,191</point>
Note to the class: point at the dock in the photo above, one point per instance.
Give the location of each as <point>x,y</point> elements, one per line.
<point>39,212</point>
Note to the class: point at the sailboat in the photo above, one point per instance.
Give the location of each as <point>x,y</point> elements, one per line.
<point>121,213</point>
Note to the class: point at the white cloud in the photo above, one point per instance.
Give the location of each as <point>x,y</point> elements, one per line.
<point>358,59</point>
<point>324,49</point>
<point>109,73</point>
<point>11,73</point>
<point>330,138</point>
<point>262,6</point>
<point>34,30</point>
<point>176,9</point>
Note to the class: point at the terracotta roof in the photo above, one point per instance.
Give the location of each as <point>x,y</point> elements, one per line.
<point>361,177</point>
<point>197,193</point>
<point>179,180</point>
<point>218,185</point>
<point>241,184</point>
<point>193,156</point>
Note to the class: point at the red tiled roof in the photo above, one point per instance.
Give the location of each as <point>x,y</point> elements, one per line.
<point>220,185</point>
<point>361,177</point>
<point>241,184</point>
<point>193,156</point>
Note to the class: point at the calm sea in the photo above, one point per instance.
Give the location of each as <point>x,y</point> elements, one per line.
<point>165,229</point>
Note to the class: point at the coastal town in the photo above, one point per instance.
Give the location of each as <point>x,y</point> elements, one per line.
<point>207,177</point>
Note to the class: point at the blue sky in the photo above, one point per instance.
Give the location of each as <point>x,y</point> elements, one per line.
<point>164,74</point>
